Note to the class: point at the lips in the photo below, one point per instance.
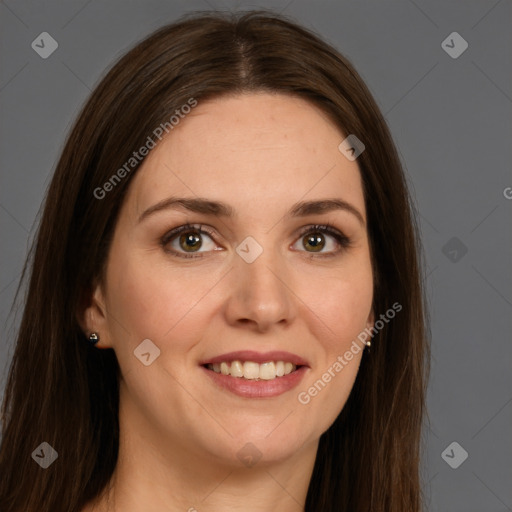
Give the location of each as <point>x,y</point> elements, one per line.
<point>288,369</point>
<point>256,357</point>
<point>256,389</point>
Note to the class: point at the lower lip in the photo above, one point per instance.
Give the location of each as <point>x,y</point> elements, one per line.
<point>257,388</point>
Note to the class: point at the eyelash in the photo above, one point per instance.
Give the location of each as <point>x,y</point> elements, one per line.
<point>327,229</point>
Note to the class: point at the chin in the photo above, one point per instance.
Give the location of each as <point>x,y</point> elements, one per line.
<point>254,445</point>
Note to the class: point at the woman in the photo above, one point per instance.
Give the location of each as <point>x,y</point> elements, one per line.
<point>227,232</point>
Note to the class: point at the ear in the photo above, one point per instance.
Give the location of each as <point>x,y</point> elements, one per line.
<point>92,316</point>
<point>370,322</point>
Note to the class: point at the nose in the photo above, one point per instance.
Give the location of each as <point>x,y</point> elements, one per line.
<point>261,293</point>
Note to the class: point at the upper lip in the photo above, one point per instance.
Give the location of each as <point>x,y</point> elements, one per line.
<point>257,357</point>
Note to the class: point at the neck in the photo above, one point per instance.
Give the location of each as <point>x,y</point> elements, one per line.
<point>156,474</point>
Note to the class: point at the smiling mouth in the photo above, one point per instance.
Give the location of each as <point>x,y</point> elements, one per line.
<point>250,370</point>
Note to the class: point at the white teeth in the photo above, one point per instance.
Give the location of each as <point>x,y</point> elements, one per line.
<point>267,371</point>
<point>237,369</point>
<point>224,368</point>
<point>253,371</point>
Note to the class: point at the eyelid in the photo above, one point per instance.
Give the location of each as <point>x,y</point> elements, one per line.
<point>184,228</point>
<point>323,228</point>
<point>187,227</point>
<point>341,239</point>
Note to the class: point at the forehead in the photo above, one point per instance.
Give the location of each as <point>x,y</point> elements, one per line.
<point>247,148</point>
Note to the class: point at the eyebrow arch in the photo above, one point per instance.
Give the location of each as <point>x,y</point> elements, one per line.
<point>304,208</point>
<point>220,209</point>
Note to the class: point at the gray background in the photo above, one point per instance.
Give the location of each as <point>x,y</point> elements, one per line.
<point>451,120</point>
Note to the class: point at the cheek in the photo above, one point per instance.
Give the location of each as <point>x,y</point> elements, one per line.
<point>338,305</point>
<point>153,301</point>
<point>337,311</point>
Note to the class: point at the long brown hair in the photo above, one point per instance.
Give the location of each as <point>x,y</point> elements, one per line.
<point>64,392</point>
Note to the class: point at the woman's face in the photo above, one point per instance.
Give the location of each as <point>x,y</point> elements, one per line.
<point>251,275</point>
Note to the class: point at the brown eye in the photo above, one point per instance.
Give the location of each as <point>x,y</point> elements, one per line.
<point>314,242</point>
<point>322,239</point>
<point>190,241</point>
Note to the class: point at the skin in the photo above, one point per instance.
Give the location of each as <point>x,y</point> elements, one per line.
<point>180,434</point>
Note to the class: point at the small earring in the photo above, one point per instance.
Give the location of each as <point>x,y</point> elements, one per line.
<point>93,338</point>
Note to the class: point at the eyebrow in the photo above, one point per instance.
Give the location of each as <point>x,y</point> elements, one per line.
<point>220,209</point>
